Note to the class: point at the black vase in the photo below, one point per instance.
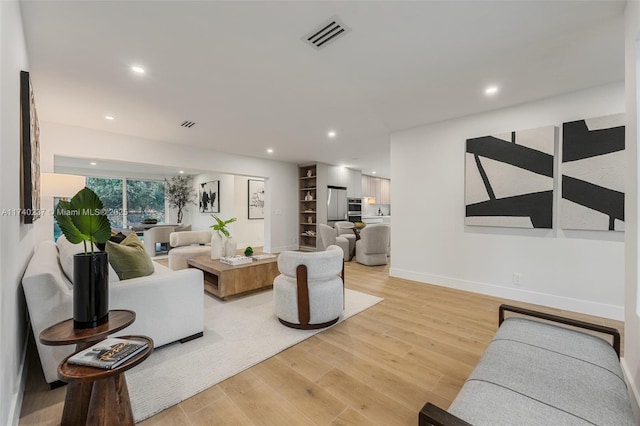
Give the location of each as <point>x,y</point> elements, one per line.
<point>90,289</point>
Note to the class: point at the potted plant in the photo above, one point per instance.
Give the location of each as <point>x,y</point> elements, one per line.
<point>83,219</point>
<point>179,192</point>
<point>221,242</point>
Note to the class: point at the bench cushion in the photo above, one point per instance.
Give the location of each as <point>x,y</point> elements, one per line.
<point>535,373</point>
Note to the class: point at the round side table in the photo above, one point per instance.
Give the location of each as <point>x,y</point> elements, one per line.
<point>110,403</point>
<point>76,403</point>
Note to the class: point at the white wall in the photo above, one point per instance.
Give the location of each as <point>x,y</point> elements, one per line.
<point>246,232</point>
<point>280,178</point>
<point>579,270</point>
<point>631,361</point>
<point>16,240</point>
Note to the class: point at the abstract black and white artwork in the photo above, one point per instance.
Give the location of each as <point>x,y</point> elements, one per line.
<point>209,193</point>
<point>509,179</point>
<point>593,174</point>
<point>256,199</point>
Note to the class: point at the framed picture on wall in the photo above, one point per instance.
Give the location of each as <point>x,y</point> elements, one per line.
<point>209,197</point>
<point>256,199</point>
<point>29,152</point>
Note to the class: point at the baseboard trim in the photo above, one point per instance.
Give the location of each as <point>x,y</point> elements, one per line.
<point>281,248</point>
<point>634,395</point>
<point>558,302</point>
<point>16,398</point>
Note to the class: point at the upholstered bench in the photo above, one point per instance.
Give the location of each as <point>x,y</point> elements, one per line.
<point>187,244</point>
<point>537,373</point>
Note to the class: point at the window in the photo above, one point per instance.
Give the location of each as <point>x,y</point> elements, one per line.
<point>145,199</point>
<point>110,192</point>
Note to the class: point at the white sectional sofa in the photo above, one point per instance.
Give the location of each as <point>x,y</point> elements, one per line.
<point>169,305</point>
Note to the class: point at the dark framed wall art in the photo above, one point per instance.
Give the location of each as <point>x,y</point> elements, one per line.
<point>29,152</point>
<point>256,199</point>
<point>209,197</point>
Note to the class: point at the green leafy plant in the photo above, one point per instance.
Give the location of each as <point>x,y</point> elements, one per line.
<point>221,225</point>
<point>248,251</point>
<point>83,219</point>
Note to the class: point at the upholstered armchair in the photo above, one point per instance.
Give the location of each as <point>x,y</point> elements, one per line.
<point>187,244</point>
<point>156,235</point>
<point>345,230</point>
<point>309,292</point>
<point>372,247</point>
<point>329,237</point>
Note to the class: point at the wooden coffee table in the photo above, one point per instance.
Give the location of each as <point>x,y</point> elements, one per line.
<point>222,280</point>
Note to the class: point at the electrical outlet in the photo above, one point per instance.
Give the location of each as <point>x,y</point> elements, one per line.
<point>517,278</point>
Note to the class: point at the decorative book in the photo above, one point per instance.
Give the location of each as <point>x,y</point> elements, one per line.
<point>108,353</point>
<point>263,256</point>
<point>236,260</point>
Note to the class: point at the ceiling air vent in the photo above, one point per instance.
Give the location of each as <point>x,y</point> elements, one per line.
<point>327,32</point>
<point>188,124</point>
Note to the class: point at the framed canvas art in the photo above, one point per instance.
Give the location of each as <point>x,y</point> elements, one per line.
<point>209,196</point>
<point>29,152</point>
<point>256,199</point>
<point>509,179</point>
<point>593,173</point>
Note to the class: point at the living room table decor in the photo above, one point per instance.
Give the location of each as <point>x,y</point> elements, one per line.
<point>83,219</point>
<point>221,242</point>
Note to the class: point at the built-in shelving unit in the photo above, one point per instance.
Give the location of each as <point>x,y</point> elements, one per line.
<point>308,195</point>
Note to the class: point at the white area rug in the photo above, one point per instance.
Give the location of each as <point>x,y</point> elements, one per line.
<point>238,334</point>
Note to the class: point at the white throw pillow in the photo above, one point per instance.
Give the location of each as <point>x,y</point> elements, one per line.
<point>66,250</point>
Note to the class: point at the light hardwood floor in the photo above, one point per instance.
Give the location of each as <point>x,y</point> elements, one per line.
<point>378,367</point>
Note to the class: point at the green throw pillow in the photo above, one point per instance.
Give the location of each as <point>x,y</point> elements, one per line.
<point>129,258</point>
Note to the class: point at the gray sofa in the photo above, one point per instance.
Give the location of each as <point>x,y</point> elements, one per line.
<point>537,373</point>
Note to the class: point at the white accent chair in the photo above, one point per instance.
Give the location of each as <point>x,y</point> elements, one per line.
<point>188,244</point>
<point>345,230</point>
<point>329,237</point>
<point>309,292</point>
<point>156,235</point>
<point>372,247</point>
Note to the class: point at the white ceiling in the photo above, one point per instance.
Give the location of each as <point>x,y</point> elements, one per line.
<point>241,71</point>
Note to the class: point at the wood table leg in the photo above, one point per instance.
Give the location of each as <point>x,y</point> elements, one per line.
<point>76,404</point>
<point>110,404</point>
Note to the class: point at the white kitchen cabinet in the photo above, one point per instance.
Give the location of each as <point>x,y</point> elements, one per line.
<point>354,188</point>
<point>378,188</point>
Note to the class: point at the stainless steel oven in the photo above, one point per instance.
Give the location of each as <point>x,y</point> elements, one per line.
<point>354,209</point>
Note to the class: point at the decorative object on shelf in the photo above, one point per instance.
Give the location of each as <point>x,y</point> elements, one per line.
<point>593,173</point>
<point>30,152</point>
<point>309,173</point>
<point>309,219</point>
<point>210,197</point>
<point>308,197</point>
<point>256,199</point>
<point>150,221</point>
<point>509,179</point>
<point>221,242</point>
<point>83,219</point>
<point>179,193</point>
<point>248,251</point>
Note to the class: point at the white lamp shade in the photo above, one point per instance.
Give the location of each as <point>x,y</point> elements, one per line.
<point>59,185</point>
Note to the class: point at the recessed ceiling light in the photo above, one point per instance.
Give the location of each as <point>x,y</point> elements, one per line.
<point>331,134</point>
<point>137,69</point>
<point>491,90</point>
<point>108,117</point>
<point>181,171</point>
<point>270,150</point>
<point>93,163</point>
<point>373,172</point>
